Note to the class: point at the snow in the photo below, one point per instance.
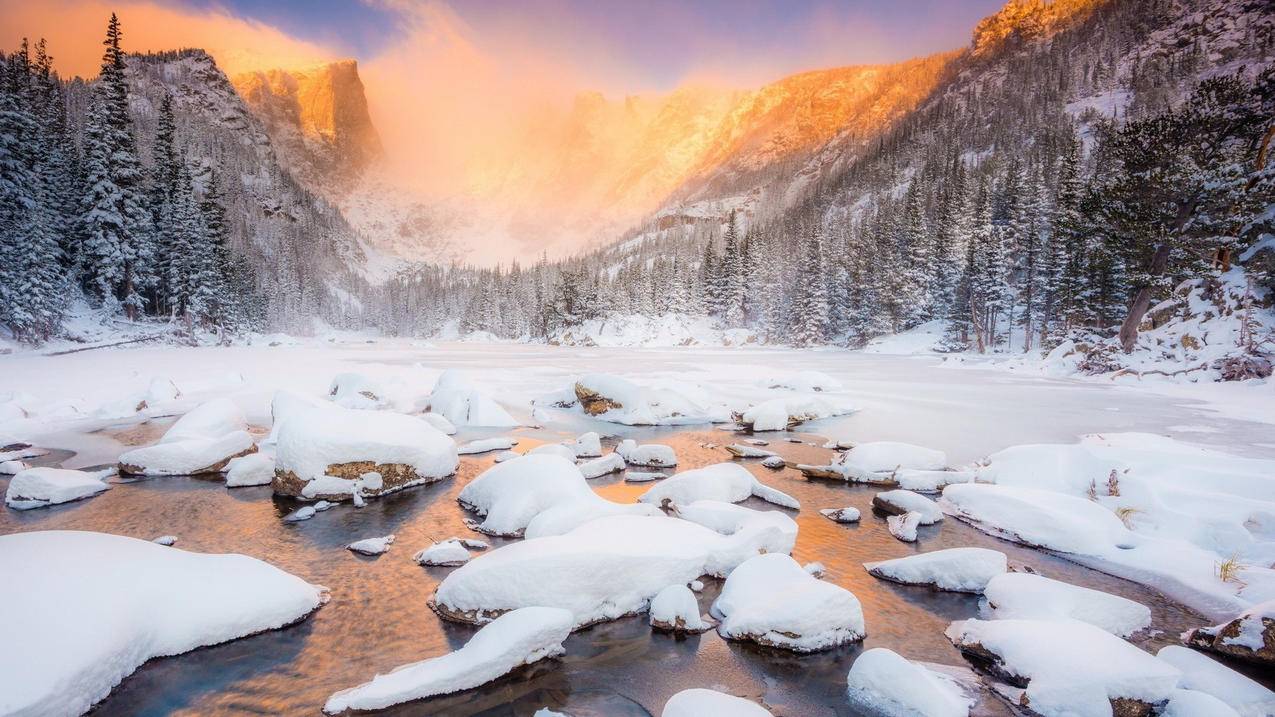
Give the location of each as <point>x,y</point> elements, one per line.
<point>42,487</point>
<point>700,702</point>
<point>201,441</point>
<point>641,476</point>
<point>1035,517</point>
<point>483,445</point>
<point>965,570</point>
<point>927,481</point>
<point>666,403</point>
<point>651,455</point>
<point>1035,597</point>
<point>517,638</point>
<point>440,422</point>
<point>1204,674</point>
<point>740,450</point>
<point>774,463</point>
<point>881,682</point>
<point>372,546</point>
<point>888,456</point>
<point>461,402</point>
<point>536,496</point>
<point>675,608</point>
<point>804,381</point>
<point>147,601</point>
<point>165,540</point>
<point>1083,668</point>
<point>309,444</point>
<point>305,512</point>
<point>356,390</point>
<point>586,445</point>
<point>9,468</point>
<point>768,416</point>
<point>728,482</point>
<point>448,553</point>
<point>904,526</point>
<point>598,467</point>
<point>728,519</point>
<point>252,469</point>
<point>897,502</point>
<point>777,414</point>
<point>848,514</point>
<point>601,570</point>
<point>1189,703</point>
<point>771,600</point>
<point>553,449</point>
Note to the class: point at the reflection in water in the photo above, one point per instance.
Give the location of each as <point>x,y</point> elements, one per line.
<point>378,618</point>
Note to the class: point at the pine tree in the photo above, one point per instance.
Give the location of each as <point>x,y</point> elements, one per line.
<point>810,302</point>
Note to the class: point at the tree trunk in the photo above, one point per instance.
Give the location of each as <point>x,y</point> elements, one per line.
<point>1142,300</point>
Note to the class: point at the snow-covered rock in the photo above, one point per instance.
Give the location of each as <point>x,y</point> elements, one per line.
<point>642,476</point>
<point>881,682</point>
<point>966,570</point>
<point>598,467</point>
<point>898,502</point>
<point>586,445</point>
<point>1041,519</point>
<point>779,414</point>
<point>1069,668</point>
<point>879,462</point>
<point>249,470</point>
<point>904,526</point>
<point>356,390</point>
<point>458,400</point>
<point>286,405</point>
<point>165,540</point>
<point>740,450</point>
<point>483,445</point>
<point>202,441</point>
<point>650,455</point>
<point>769,415</point>
<point>927,481</point>
<point>41,487</point>
<point>602,570</point>
<point>537,496</point>
<point>769,599</point>
<point>618,400</point>
<point>1035,597</point>
<point>1204,674</point>
<point>553,449</point>
<point>512,640</point>
<point>774,463</point>
<point>848,514</point>
<point>702,703</point>
<point>1250,636</point>
<point>372,546</point>
<point>439,421</point>
<point>803,381</point>
<point>303,513</point>
<point>728,482</point>
<point>14,467</point>
<point>728,519</point>
<point>337,453</point>
<point>147,601</point>
<point>447,553</point>
<point>1190,703</point>
<point>675,609</point>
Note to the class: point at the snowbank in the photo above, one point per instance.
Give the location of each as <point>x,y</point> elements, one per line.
<point>335,453</point>
<point>769,599</point>
<point>148,601</point>
<point>1203,674</point>
<point>202,441</point>
<point>727,482</point>
<point>41,487</point>
<point>1035,597</point>
<point>966,570</point>
<point>517,638</point>
<point>1081,671</point>
<point>701,703</point>
<point>1038,518</point>
<point>602,570</point>
<point>457,399</point>
<point>881,682</point>
<point>803,381</point>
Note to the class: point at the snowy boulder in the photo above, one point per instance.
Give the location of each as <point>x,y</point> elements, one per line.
<point>702,703</point>
<point>898,502</point>
<point>536,496</point>
<point>165,540</point>
<point>904,526</point>
<point>160,391</point>
<point>877,463</point>
<point>447,554</point>
<point>881,682</point>
<point>1069,668</point>
<point>9,468</point>
<point>966,570</point>
<point>285,405</point>
<point>372,546</point>
<point>458,400</point>
<point>439,421</point>
<point>1035,597</point>
<point>771,600</point>
<point>674,609</point>
<point>651,455</point>
<point>729,519</point>
<point>484,445</point>
<point>1204,674</point>
<point>149,601</point>
<point>586,445</point>
<point>249,470</point>
<point>602,570</point>
<point>642,476</point>
<point>337,453</point>
<point>598,467</point>
<point>780,414</point>
<point>356,390</point>
<point>42,487</point>
<point>927,481</point>
<point>1040,519</point>
<point>1190,703</point>
<point>727,482</point>
<point>1250,636</point>
<point>553,449</point>
<point>775,463</point>
<point>740,450</point>
<point>848,514</point>
<point>517,638</point>
<point>203,441</point>
<point>769,415</point>
<point>618,400</point>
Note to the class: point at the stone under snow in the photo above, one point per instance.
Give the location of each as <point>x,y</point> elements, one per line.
<point>769,599</point>
<point>650,455</point>
<point>483,445</point>
<point>1202,673</point>
<point>252,469</point>
<point>447,553</point>
<point>1036,597</point>
<point>848,514</point>
<point>727,482</point>
<point>1250,636</point>
<point>882,682</point>
<point>618,400</point>
<point>898,502</point>
<point>586,445</point>
<point>202,441</point>
<point>699,702</point>
<point>966,570</point>
<point>675,609</point>
<point>457,399</point>
<point>42,487</point>
<point>372,546</point>
<point>517,638</point>
<point>904,526</point>
<point>605,465</point>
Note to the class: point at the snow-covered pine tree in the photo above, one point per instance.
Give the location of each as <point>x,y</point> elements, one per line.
<point>809,320</point>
